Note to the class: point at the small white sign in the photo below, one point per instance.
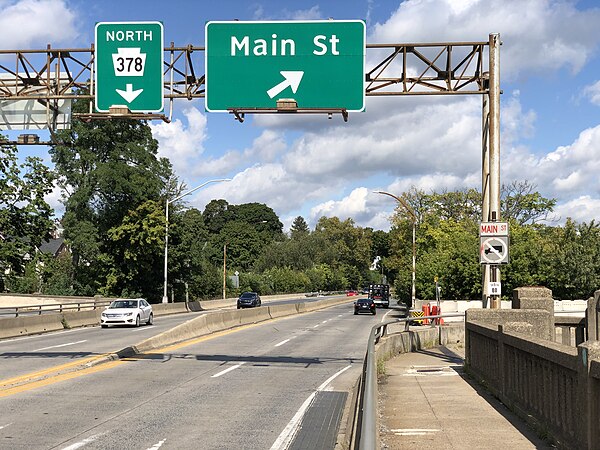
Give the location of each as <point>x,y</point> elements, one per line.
<point>493,250</point>
<point>493,229</point>
<point>494,288</point>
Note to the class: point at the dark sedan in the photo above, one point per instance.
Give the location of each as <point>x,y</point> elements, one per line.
<point>364,305</point>
<point>248,300</point>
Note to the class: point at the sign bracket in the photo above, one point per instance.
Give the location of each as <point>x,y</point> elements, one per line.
<point>240,113</point>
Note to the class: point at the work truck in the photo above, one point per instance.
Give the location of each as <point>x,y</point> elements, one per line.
<point>380,294</point>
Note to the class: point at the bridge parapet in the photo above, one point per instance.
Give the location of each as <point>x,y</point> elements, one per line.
<point>553,386</point>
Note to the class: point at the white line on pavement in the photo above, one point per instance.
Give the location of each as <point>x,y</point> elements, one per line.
<point>316,325</point>
<point>414,431</point>
<point>385,315</point>
<point>157,446</point>
<point>4,426</point>
<point>80,444</point>
<point>325,321</point>
<point>223,372</point>
<point>285,341</point>
<point>61,345</point>
<point>288,433</point>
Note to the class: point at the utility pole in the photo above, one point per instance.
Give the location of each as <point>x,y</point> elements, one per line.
<point>494,150</point>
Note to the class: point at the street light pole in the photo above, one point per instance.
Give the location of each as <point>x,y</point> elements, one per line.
<point>413,217</point>
<point>165,298</point>
<point>224,271</point>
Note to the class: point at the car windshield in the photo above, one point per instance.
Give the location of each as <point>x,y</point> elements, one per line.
<point>247,295</point>
<point>364,300</point>
<point>123,304</point>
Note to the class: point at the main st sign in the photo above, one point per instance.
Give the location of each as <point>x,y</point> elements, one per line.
<point>320,64</point>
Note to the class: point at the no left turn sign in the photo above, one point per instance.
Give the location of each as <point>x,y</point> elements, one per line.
<point>493,250</point>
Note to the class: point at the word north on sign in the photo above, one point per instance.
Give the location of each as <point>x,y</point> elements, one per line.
<point>129,60</point>
<point>320,64</point>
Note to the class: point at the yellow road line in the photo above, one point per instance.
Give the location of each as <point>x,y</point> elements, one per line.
<point>50,370</point>
<point>58,377</point>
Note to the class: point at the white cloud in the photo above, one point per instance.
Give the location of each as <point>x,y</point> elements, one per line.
<point>538,35</point>
<point>581,209</point>
<point>181,143</point>
<point>567,171</point>
<point>28,24</point>
<point>593,93</point>
<point>349,207</point>
<point>54,200</point>
<point>445,137</point>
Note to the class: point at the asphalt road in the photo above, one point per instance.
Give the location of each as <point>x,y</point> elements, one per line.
<point>22,355</point>
<point>241,389</point>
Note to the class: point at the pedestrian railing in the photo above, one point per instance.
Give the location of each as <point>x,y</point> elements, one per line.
<point>16,311</point>
<point>367,437</point>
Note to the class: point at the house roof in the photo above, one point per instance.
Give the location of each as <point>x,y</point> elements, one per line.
<point>52,246</point>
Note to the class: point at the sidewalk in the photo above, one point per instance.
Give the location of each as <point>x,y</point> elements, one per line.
<point>426,403</point>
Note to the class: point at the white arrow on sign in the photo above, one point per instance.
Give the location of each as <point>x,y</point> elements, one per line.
<point>292,79</point>
<point>129,94</point>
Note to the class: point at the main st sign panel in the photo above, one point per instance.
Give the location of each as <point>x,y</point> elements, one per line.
<point>320,64</point>
<point>129,60</point>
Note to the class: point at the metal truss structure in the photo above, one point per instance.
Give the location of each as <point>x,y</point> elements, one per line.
<point>51,75</point>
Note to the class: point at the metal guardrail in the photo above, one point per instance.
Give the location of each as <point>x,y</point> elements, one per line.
<point>15,311</point>
<point>368,428</point>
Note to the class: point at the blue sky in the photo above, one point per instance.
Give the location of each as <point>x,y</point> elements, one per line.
<point>311,166</point>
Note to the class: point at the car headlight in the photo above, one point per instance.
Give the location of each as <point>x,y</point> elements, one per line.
<point>129,314</point>
<point>103,314</point>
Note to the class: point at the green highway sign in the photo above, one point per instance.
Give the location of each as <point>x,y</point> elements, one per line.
<point>320,64</point>
<point>129,60</point>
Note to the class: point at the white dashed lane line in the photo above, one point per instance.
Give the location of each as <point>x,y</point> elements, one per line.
<point>157,446</point>
<point>223,372</point>
<point>61,345</point>
<point>285,341</point>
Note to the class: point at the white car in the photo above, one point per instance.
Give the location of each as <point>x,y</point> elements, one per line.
<point>123,311</point>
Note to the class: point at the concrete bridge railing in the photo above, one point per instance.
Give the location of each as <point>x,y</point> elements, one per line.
<point>553,386</point>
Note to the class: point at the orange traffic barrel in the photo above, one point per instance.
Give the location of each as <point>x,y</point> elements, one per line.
<point>426,312</point>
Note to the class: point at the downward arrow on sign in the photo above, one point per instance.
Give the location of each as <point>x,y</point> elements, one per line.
<point>129,94</point>
<point>292,79</point>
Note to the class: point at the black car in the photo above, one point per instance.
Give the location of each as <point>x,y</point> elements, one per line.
<point>364,305</point>
<point>248,300</point>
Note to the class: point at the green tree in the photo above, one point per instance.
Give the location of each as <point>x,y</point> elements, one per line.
<point>139,242</point>
<point>299,228</point>
<point>573,260</point>
<point>106,169</point>
<point>523,204</point>
<point>24,213</point>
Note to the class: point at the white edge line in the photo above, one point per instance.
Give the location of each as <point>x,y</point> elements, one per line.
<point>333,377</point>
<point>284,439</point>
<point>288,433</point>
<point>4,426</point>
<point>223,372</point>
<point>282,342</point>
